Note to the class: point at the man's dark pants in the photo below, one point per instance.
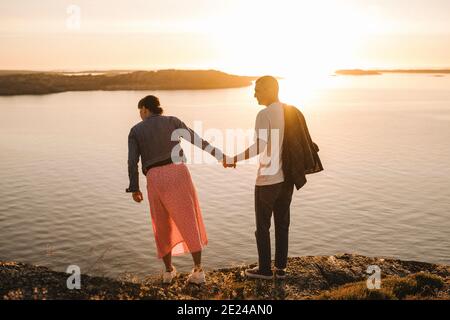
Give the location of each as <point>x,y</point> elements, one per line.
<point>274,198</point>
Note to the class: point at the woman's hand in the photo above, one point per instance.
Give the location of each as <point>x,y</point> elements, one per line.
<point>137,196</point>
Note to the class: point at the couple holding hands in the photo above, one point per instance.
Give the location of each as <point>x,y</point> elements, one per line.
<point>285,158</point>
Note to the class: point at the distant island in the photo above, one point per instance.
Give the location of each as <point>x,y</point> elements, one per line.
<point>360,72</point>
<point>23,82</point>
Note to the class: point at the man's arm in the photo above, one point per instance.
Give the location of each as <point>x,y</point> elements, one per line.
<point>133,159</point>
<point>252,151</point>
<point>262,126</point>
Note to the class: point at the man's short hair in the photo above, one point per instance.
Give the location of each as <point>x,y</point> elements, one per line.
<point>269,83</point>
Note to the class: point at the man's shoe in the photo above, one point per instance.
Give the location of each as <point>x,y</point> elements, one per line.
<point>280,273</point>
<point>255,273</point>
<point>169,275</point>
<point>197,277</point>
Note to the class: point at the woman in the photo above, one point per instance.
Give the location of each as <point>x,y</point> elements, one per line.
<point>176,216</point>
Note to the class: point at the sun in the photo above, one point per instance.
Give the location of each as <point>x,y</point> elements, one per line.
<point>287,38</point>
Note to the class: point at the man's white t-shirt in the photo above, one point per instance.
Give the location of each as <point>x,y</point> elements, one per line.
<point>269,127</point>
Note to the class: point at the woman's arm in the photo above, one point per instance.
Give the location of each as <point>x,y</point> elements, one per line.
<point>192,137</point>
<point>133,159</point>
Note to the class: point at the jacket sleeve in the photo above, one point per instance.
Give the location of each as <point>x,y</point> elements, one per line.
<point>133,159</point>
<point>198,141</point>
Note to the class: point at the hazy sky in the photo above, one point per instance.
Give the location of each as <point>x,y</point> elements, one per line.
<point>240,36</point>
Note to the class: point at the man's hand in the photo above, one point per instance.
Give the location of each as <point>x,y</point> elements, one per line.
<point>228,162</point>
<point>137,196</point>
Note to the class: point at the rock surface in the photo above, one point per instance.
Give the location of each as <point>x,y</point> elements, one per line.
<point>309,277</point>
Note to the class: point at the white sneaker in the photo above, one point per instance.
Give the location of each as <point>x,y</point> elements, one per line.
<point>197,277</point>
<point>168,276</point>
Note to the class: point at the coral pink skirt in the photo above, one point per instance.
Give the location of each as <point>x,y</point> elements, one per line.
<point>175,211</point>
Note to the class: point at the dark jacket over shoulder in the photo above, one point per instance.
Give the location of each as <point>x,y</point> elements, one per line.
<point>299,153</point>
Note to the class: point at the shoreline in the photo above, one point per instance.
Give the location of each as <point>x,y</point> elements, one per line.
<point>342,276</point>
<point>379,72</point>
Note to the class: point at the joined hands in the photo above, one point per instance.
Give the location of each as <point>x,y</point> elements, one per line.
<point>228,162</point>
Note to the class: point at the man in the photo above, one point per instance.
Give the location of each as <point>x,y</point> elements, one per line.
<point>276,142</point>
